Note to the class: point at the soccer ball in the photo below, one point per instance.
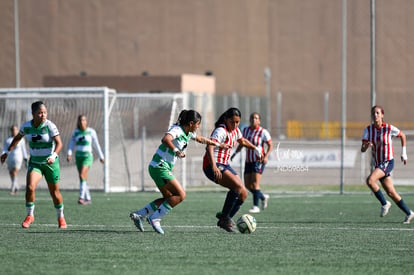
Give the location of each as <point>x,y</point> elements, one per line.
<point>246,224</point>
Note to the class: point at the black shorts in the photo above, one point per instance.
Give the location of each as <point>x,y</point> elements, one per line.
<point>208,170</point>
<point>254,167</point>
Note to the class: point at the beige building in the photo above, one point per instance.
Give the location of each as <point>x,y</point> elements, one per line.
<point>299,40</point>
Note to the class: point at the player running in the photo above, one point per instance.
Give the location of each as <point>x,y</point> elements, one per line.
<point>45,144</point>
<point>216,165</point>
<point>254,167</point>
<point>379,136</point>
<point>173,146</point>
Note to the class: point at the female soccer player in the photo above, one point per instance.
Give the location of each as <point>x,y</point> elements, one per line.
<point>254,167</point>
<point>379,136</point>
<point>216,165</point>
<point>82,140</point>
<point>15,158</point>
<point>45,144</point>
<point>173,146</point>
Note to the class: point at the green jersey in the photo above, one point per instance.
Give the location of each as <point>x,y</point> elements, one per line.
<point>82,142</point>
<point>40,139</point>
<point>165,155</point>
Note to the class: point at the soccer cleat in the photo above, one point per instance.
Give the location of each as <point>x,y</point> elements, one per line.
<point>137,219</point>
<point>408,218</point>
<point>26,223</point>
<point>84,202</point>
<point>385,209</point>
<point>226,224</point>
<point>62,223</point>
<point>156,225</point>
<point>219,216</point>
<point>265,201</point>
<point>254,209</point>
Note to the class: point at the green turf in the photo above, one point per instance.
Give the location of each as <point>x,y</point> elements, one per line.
<point>326,234</point>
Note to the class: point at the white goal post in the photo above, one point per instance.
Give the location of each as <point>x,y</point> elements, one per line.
<point>127,125</point>
<point>15,109</point>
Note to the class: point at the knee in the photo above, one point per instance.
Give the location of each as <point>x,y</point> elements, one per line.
<point>370,181</point>
<point>243,194</point>
<point>183,195</point>
<point>179,196</point>
<point>30,188</point>
<point>55,193</point>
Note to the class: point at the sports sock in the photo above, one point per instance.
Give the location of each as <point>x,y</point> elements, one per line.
<point>82,189</point>
<point>14,187</point>
<point>235,208</point>
<point>59,210</point>
<point>147,209</point>
<point>401,204</point>
<point>229,203</point>
<point>257,195</point>
<point>30,208</point>
<point>163,210</point>
<point>87,192</point>
<point>380,197</point>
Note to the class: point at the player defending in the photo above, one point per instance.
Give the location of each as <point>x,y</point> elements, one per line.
<point>379,136</point>
<point>216,165</point>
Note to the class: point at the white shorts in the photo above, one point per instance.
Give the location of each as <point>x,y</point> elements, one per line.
<point>13,163</point>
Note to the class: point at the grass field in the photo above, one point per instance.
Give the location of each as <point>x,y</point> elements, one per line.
<point>326,234</point>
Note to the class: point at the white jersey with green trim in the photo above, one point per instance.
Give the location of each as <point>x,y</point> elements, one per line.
<point>82,142</point>
<point>40,139</point>
<point>166,155</point>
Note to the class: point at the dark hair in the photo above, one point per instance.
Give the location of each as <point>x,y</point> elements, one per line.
<point>78,124</point>
<point>187,116</point>
<point>231,112</point>
<point>36,105</point>
<point>377,106</point>
<point>253,114</point>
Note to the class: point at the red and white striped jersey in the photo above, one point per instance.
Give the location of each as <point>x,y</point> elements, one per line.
<point>258,137</point>
<point>222,135</point>
<point>381,138</point>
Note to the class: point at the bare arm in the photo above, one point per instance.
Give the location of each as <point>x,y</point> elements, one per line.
<point>267,153</point>
<point>244,142</point>
<point>403,139</point>
<point>13,144</point>
<point>58,148</point>
<point>365,145</point>
<point>207,141</point>
<point>210,155</point>
<point>238,149</point>
<point>167,140</point>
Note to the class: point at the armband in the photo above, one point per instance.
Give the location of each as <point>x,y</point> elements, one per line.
<point>404,153</point>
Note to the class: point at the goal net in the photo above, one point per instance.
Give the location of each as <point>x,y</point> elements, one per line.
<point>126,124</point>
